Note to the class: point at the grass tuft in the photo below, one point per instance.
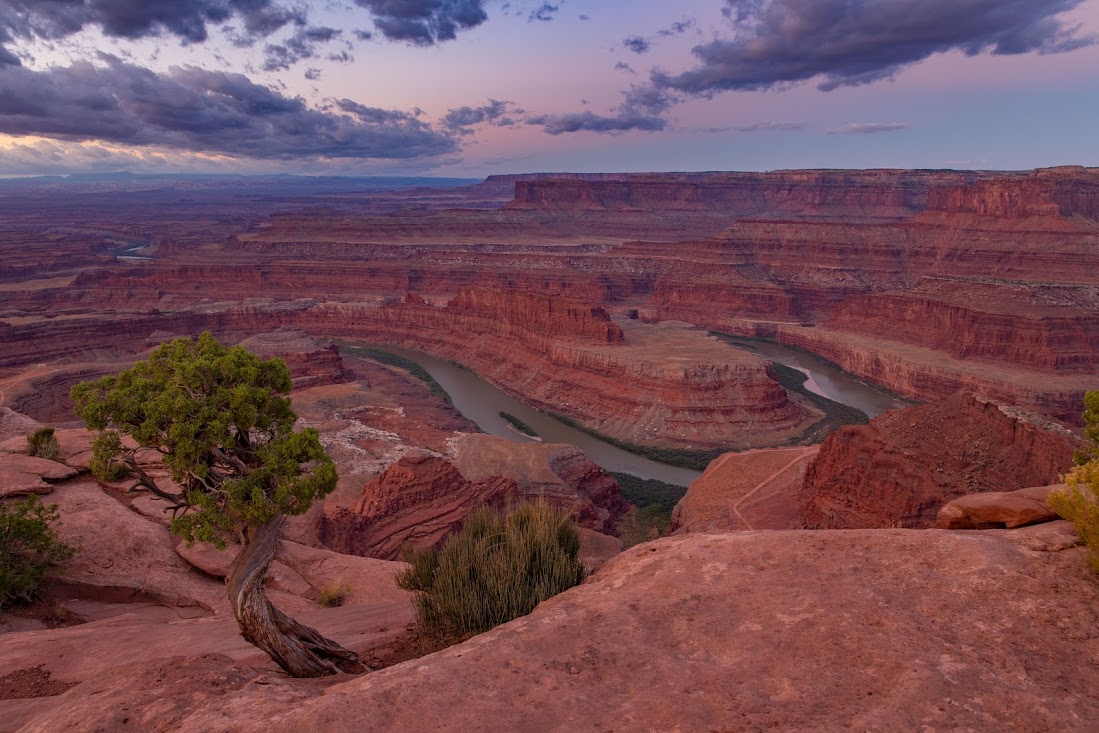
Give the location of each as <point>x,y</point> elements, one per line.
<point>333,594</point>
<point>43,443</point>
<point>498,568</point>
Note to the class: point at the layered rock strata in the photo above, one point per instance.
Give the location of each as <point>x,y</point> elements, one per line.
<point>421,499</point>
<point>418,501</point>
<point>669,386</point>
<point>922,281</point>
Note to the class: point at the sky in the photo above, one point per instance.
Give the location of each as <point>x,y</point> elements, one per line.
<point>479,87</point>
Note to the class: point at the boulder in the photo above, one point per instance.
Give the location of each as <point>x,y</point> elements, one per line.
<point>999,509</point>
<point>22,475</point>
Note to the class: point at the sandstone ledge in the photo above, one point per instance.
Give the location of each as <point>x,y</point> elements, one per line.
<point>750,631</point>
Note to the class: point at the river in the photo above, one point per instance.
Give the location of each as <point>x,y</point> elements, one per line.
<point>482,403</point>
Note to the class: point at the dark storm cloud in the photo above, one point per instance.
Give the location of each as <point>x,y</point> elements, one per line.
<point>304,44</point>
<point>189,20</point>
<point>496,113</point>
<point>201,111</point>
<point>424,22</point>
<point>869,128</point>
<point>545,11</point>
<point>637,44</point>
<point>847,43</point>
<point>421,22</point>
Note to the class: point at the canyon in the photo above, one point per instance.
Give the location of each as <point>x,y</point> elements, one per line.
<point>606,302</point>
<point>923,282</point>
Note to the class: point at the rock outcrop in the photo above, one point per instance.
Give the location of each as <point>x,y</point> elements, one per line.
<point>310,363</point>
<point>780,631</point>
<point>999,509</point>
<point>22,475</point>
<point>561,474</point>
<point>418,501</point>
<point>905,464</point>
<point>421,499</point>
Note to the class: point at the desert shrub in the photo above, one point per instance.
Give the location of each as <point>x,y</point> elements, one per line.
<point>43,443</point>
<point>1079,501</point>
<point>498,568</point>
<point>333,594</point>
<point>28,548</point>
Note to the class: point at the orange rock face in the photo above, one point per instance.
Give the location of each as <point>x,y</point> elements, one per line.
<point>901,468</point>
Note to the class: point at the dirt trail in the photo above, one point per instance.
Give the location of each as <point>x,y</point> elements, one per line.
<point>806,454</point>
<point>39,370</point>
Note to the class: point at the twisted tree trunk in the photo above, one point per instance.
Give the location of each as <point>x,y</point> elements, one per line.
<point>297,648</point>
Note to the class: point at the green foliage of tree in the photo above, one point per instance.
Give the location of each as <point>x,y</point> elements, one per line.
<point>43,443</point>
<point>219,420</point>
<point>1079,502</point>
<point>498,568</point>
<point>28,548</point>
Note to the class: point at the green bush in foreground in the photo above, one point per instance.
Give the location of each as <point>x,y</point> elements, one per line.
<point>496,569</point>
<point>28,548</point>
<point>1079,502</point>
<point>43,443</point>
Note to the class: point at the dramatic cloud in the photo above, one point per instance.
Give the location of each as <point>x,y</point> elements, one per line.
<point>189,20</point>
<point>302,45</point>
<point>545,11</point>
<point>868,128</point>
<point>496,113</point>
<point>421,22</point>
<point>637,44</point>
<point>424,22</point>
<point>847,43</point>
<point>200,111</point>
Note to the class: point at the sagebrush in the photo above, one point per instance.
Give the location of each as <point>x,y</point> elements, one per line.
<point>28,548</point>
<point>498,568</point>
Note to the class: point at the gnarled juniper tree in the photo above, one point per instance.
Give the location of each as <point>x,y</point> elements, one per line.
<point>219,420</point>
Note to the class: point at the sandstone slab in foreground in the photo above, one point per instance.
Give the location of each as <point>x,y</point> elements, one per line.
<point>787,630</point>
